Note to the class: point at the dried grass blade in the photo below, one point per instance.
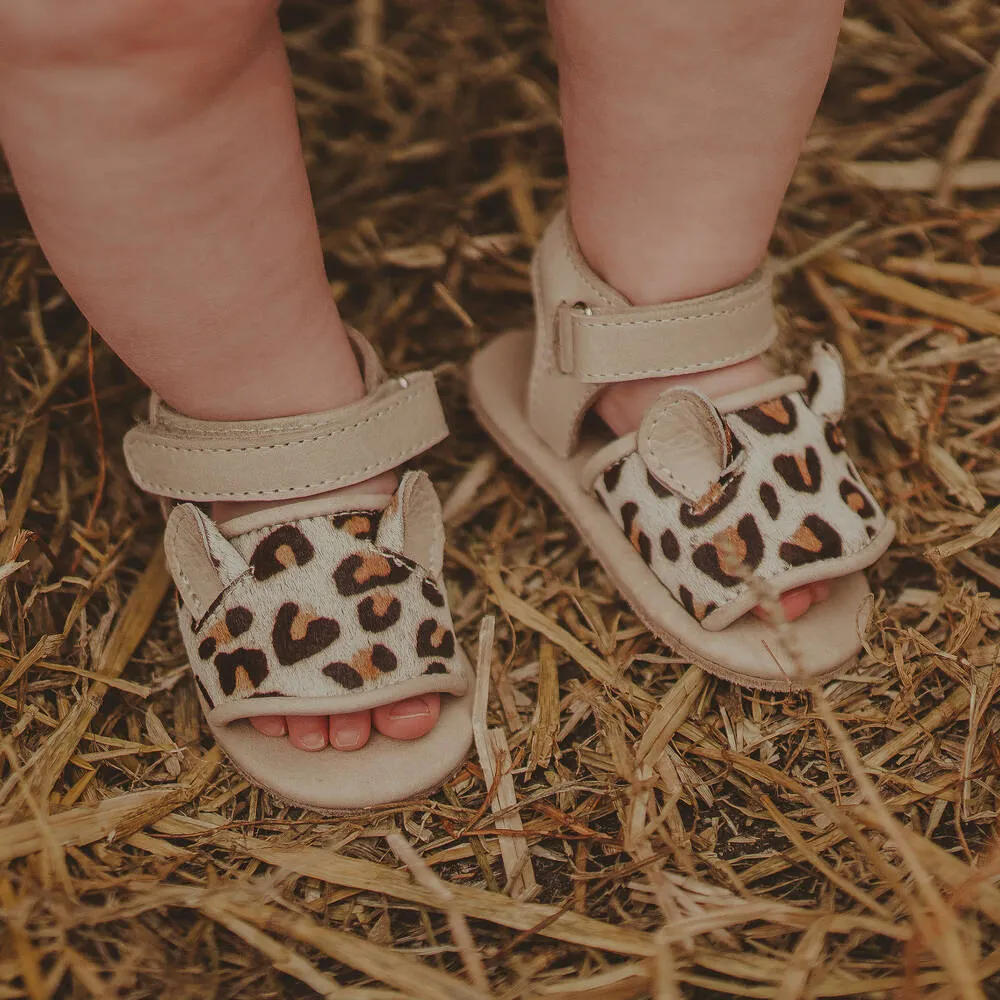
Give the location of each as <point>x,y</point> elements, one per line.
<point>546,722</point>
<point>810,855</point>
<point>588,660</point>
<point>802,961</point>
<point>943,714</point>
<point>925,174</point>
<point>414,979</point>
<point>968,130</point>
<point>671,713</point>
<point>933,270</point>
<point>114,817</point>
<point>906,293</point>
<point>283,958</point>
<point>495,760</point>
<point>984,530</point>
<point>29,966</point>
<point>944,938</point>
<point>135,620</point>
<point>456,919</point>
<point>551,921</point>
<point>30,472</point>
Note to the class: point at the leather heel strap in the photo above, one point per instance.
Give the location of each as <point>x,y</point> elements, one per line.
<point>599,343</point>
<point>288,457</point>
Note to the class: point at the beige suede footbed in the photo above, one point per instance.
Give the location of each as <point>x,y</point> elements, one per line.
<point>336,782</point>
<point>823,643</point>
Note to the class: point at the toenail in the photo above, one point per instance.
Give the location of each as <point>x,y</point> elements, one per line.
<point>415,708</point>
<point>821,590</point>
<point>347,738</point>
<point>272,727</point>
<point>312,741</point>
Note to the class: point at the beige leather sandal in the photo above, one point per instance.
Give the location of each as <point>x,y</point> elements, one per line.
<point>322,605</point>
<point>710,501</point>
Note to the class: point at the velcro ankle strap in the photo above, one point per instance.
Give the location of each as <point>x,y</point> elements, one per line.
<point>287,457</point>
<point>620,343</point>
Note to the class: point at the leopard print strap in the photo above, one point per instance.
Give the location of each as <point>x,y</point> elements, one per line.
<point>785,506</point>
<point>326,609</point>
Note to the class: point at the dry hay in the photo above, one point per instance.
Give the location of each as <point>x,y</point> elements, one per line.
<point>633,828</point>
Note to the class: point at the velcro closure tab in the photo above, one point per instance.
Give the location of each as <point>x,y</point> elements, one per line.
<point>286,457</point>
<point>620,343</point>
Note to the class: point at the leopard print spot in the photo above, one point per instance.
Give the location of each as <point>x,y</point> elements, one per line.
<point>365,571</point>
<point>379,611</point>
<point>437,667</point>
<point>813,540</point>
<point>851,494</point>
<point>776,416</point>
<point>284,547</point>
<point>732,554</point>
<point>812,387</point>
<point>638,538</point>
<point>713,503</point>
<point>801,471</point>
<point>658,489</point>
<point>297,636</point>
<point>431,593</point>
<point>835,439</point>
<point>241,671</point>
<point>694,608</point>
<point>369,663</point>
<point>669,545</point>
<point>769,498</point>
<point>359,524</point>
<point>204,693</point>
<point>344,674</point>
<point>384,658</point>
<point>433,639</point>
<point>207,648</point>
<point>238,620</point>
<point>611,476</point>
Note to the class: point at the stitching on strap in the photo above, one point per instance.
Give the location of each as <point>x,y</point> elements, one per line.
<point>345,429</point>
<point>388,462</point>
<point>318,462</point>
<point>596,322</point>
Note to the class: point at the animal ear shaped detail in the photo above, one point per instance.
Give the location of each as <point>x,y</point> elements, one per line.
<point>201,561</point>
<point>826,390</point>
<point>685,443</point>
<point>412,525</point>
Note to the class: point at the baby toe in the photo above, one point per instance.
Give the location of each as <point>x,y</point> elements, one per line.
<point>794,604</point>
<point>270,725</point>
<point>307,732</point>
<point>409,719</point>
<point>351,730</point>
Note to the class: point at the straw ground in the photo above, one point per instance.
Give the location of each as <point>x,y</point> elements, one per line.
<point>632,827</point>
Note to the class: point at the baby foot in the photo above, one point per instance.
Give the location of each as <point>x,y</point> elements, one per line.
<point>622,406</point>
<point>403,720</point>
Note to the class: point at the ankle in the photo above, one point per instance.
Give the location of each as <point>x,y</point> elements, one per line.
<point>651,263</point>
<point>622,405</point>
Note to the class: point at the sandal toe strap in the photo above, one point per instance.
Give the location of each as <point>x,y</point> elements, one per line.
<point>784,505</point>
<point>327,616</point>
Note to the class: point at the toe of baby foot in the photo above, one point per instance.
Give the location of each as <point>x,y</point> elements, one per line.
<point>409,719</point>
<point>350,731</point>
<point>795,603</point>
<point>308,732</point>
<point>270,725</point>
